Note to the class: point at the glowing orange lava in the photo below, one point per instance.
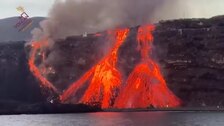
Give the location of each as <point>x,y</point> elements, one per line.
<point>145,85</point>
<point>36,46</point>
<point>105,81</point>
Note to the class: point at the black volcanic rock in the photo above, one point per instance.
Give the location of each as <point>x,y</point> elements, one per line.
<point>43,108</point>
<point>16,81</point>
<point>189,51</point>
<point>192,59</point>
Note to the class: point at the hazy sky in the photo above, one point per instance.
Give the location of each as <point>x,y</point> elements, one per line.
<point>185,8</point>
<point>32,7</point>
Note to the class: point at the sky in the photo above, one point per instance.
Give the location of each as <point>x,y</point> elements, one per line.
<point>186,9</point>
<point>190,9</point>
<point>32,7</point>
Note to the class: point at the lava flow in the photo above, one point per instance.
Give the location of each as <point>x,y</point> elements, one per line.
<point>105,79</point>
<point>145,85</point>
<point>36,46</point>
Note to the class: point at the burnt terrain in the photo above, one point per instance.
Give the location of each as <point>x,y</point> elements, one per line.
<point>20,92</point>
<point>189,51</point>
<point>192,59</point>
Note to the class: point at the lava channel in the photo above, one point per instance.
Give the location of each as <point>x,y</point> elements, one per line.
<point>105,80</point>
<point>145,85</point>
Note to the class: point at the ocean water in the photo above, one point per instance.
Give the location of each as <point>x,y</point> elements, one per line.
<point>117,119</point>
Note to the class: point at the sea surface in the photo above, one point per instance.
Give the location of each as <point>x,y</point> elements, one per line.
<point>117,119</point>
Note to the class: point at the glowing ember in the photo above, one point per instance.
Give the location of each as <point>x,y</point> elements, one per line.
<point>145,85</point>
<point>36,46</point>
<point>98,35</point>
<point>106,79</point>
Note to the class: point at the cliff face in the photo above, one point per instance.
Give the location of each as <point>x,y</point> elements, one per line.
<point>16,81</point>
<point>192,59</point>
<point>20,92</point>
<point>189,53</point>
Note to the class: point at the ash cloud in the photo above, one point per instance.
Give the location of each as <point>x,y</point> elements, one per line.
<point>75,17</point>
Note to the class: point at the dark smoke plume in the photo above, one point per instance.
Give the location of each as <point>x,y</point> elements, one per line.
<point>75,17</point>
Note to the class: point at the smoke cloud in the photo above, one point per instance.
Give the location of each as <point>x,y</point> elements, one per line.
<point>75,17</point>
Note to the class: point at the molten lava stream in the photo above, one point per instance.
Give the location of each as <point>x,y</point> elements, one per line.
<point>106,79</point>
<point>145,85</point>
<point>35,70</point>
